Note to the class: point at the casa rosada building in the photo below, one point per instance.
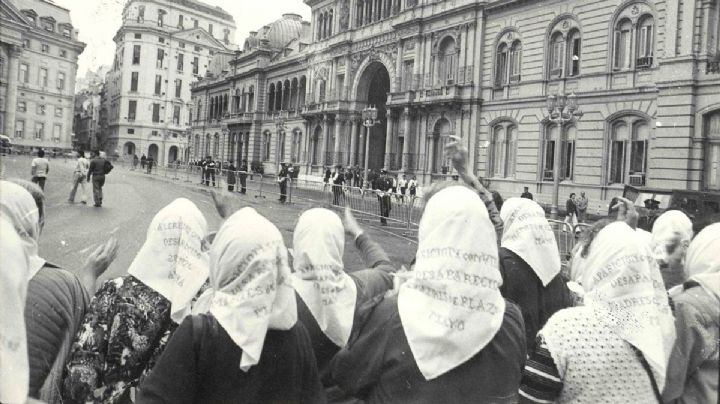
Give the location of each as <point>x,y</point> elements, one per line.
<point>645,74</point>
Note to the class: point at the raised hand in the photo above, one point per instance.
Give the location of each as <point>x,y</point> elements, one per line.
<point>627,212</point>
<point>457,152</point>
<point>352,227</point>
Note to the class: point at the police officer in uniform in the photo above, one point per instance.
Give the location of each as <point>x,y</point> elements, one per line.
<point>209,170</point>
<point>243,176</point>
<point>282,181</point>
<point>382,185</point>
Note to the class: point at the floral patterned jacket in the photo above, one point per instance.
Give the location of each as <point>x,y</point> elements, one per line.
<point>121,338</point>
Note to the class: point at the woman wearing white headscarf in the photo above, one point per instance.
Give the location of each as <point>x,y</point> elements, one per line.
<point>671,235</point>
<point>56,299</point>
<point>246,345</point>
<point>530,265</point>
<point>616,347</point>
<point>693,372</point>
<point>14,278</point>
<point>448,336</point>
<point>330,301</point>
<point>132,317</point>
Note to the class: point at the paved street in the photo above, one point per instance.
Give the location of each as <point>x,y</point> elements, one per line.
<point>131,200</point>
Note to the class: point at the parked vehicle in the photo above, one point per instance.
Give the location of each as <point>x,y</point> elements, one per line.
<point>5,145</point>
<point>702,207</point>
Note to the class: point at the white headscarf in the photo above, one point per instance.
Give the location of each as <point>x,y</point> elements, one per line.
<point>670,226</point>
<point>623,283</point>
<point>319,277</point>
<point>250,289</point>
<point>14,278</point>
<point>703,259</point>
<point>19,207</point>
<point>451,307</point>
<point>171,261</point>
<point>528,234</point>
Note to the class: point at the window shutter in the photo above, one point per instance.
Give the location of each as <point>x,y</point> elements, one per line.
<point>617,50</point>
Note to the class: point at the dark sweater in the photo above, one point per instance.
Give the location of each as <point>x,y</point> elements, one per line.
<point>379,367</point>
<point>371,285</point>
<point>201,364</point>
<point>537,303</point>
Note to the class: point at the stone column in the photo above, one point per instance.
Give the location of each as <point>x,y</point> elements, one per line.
<point>406,140</point>
<point>388,141</point>
<point>354,142</point>
<point>417,62</point>
<point>14,53</point>
<point>323,149</point>
<point>336,148</point>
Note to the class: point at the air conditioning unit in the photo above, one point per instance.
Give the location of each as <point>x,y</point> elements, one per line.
<point>548,175</point>
<point>637,180</point>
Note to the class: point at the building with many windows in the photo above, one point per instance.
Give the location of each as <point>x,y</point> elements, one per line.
<point>162,47</point>
<point>39,50</point>
<point>644,73</point>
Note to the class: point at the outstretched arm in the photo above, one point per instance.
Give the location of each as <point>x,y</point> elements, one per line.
<point>458,154</point>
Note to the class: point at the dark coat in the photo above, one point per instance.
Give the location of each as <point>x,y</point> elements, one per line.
<point>379,367</point>
<point>201,364</point>
<point>523,287</point>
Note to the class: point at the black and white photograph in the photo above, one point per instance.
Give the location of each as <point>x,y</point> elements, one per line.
<point>359,201</point>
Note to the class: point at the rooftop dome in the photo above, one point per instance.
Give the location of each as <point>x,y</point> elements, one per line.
<point>277,34</point>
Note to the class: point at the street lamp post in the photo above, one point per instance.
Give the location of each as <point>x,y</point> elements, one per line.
<point>370,119</point>
<point>561,110</point>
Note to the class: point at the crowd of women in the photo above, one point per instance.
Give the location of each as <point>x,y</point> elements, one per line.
<point>486,313</point>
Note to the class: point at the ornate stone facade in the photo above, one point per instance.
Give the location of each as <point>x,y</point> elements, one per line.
<point>481,71</point>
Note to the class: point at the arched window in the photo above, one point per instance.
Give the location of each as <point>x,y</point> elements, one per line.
<point>251,99</point>
<point>271,97</point>
<point>447,61</point>
<point>296,144</point>
<point>628,146</point>
<point>216,145</point>
<point>567,152</point>
<point>711,127</point>
<point>321,91</point>
<point>633,38</point>
<point>320,26</point>
<point>564,43</point>
<point>267,138</point>
<point>281,146</point>
<point>508,59</point>
<point>196,147</point>
<point>314,141</point>
<point>330,23</point>
<point>207,144</point>
<point>503,150</point>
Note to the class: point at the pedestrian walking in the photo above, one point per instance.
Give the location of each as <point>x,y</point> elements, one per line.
<point>582,205</point>
<point>231,176</point>
<point>143,161</point>
<point>526,194</point>
<point>150,162</point>
<point>135,162</point>
<point>39,169</point>
<point>338,179</point>
<point>99,168</point>
<point>571,213</point>
<point>79,175</point>
<point>382,185</point>
<point>243,176</point>
<point>282,182</point>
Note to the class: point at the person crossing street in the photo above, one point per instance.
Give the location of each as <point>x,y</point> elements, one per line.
<point>99,168</point>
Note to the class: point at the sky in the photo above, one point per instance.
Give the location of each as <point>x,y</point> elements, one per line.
<point>99,20</point>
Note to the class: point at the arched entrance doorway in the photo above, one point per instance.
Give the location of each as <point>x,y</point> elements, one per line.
<point>129,148</point>
<point>172,154</point>
<point>441,131</point>
<point>373,87</point>
<point>153,151</point>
